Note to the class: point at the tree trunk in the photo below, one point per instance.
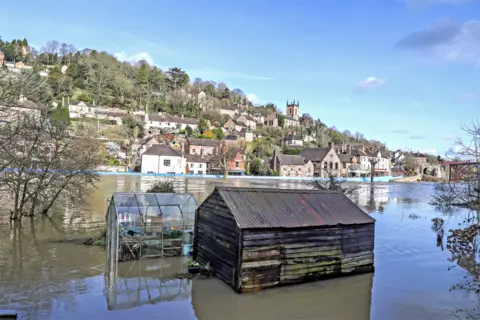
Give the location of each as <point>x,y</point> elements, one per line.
<point>225,171</point>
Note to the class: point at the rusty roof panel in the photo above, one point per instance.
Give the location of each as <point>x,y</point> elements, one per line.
<point>276,208</point>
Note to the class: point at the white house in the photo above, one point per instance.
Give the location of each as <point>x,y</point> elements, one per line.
<point>166,121</point>
<point>77,109</point>
<point>163,159</point>
<point>230,111</point>
<point>292,141</point>
<point>382,167</point>
<point>196,164</point>
<point>248,120</point>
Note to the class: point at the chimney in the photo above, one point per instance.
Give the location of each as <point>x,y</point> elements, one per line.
<point>330,144</point>
<point>363,147</point>
<point>343,147</point>
<point>183,150</point>
<point>348,149</point>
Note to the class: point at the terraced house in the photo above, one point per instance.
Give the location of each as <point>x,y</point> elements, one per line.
<point>292,166</point>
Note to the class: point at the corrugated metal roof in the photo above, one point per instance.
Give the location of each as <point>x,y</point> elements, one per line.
<point>272,208</point>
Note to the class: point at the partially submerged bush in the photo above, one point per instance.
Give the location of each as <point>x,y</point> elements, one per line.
<point>165,186</point>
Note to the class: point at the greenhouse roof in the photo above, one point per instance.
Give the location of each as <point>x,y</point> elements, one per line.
<point>154,204</point>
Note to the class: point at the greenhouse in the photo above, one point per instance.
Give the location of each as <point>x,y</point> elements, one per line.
<point>149,225</point>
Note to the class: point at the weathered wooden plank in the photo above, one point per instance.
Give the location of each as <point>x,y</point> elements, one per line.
<point>279,233</point>
<point>312,249</point>
<point>357,254</point>
<point>301,266</point>
<point>261,255</point>
<point>320,239</point>
<point>215,253</point>
<point>217,241</point>
<point>222,212</point>
<point>215,228</point>
<point>264,263</point>
<point>216,218</point>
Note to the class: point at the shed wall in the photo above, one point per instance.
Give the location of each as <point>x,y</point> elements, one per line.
<point>216,238</point>
<point>273,257</point>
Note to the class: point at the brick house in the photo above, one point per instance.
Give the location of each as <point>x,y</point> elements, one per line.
<point>325,161</point>
<point>292,166</point>
<point>202,147</point>
<point>271,120</point>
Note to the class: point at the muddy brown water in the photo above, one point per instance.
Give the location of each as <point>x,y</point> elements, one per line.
<point>43,278</point>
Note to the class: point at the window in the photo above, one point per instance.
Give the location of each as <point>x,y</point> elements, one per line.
<point>324,165</point>
<point>192,165</point>
<point>166,162</point>
<point>331,165</point>
<point>336,165</point>
<point>237,164</point>
<point>200,166</point>
<point>194,151</point>
<point>344,165</point>
<point>200,172</point>
<point>191,172</point>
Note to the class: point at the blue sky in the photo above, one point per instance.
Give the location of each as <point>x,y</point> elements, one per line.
<point>404,72</point>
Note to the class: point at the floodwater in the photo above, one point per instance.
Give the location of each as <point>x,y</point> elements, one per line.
<point>43,278</point>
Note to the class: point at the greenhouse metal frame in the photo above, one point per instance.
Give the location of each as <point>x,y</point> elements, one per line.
<point>147,225</point>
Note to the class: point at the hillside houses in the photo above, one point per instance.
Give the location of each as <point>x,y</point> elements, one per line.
<point>291,141</point>
<point>232,112</point>
<point>167,121</point>
<point>81,109</point>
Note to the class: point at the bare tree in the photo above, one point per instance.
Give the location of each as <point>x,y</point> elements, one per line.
<point>51,50</point>
<point>409,164</point>
<point>225,156</point>
<point>373,162</point>
<point>466,190</point>
<point>40,162</point>
<point>333,183</point>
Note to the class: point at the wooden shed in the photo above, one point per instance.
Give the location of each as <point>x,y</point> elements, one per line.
<point>260,238</point>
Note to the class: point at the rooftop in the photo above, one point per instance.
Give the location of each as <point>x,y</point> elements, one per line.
<point>170,118</point>
<point>277,208</point>
<point>315,154</point>
<point>194,158</point>
<point>204,142</point>
<point>162,150</point>
<point>286,159</point>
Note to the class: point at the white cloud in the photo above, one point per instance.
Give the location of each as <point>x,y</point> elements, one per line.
<point>431,151</point>
<point>223,75</point>
<point>449,138</point>
<point>370,83</point>
<point>253,98</point>
<point>122,56</point>
<point>447,41</point>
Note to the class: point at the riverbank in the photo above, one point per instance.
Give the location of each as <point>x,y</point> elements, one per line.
<point>211,176</point>
<point>417,178</point>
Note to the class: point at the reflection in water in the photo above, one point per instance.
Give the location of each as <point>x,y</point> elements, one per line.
<point>147,282</point>
<point>46,279</point>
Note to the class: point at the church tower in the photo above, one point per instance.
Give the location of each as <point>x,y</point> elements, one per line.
<point>293,109</point>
